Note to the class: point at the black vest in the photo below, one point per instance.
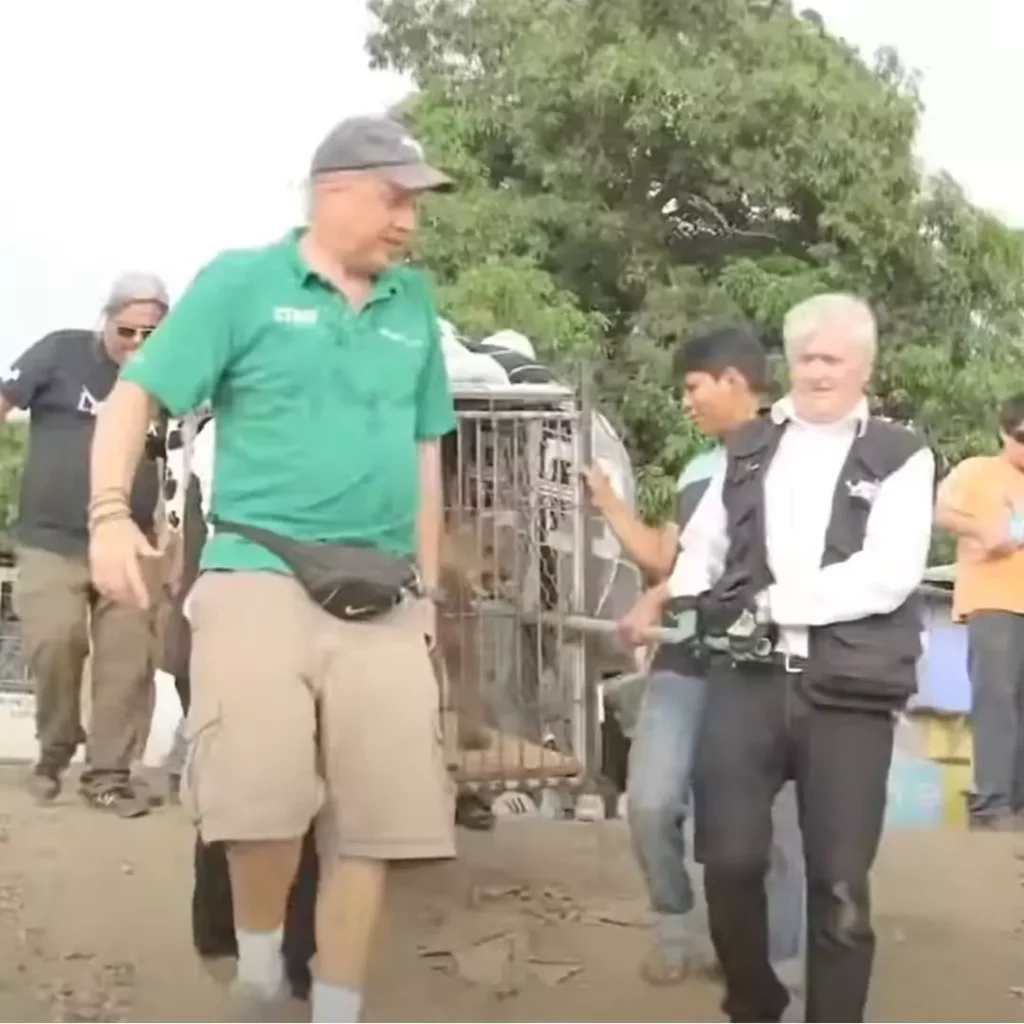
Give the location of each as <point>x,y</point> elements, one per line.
<point>870,663</point>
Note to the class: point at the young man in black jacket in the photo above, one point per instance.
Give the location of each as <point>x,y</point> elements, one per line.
<point>723,374</point>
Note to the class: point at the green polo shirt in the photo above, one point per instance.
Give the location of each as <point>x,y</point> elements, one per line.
<point>319,406</point>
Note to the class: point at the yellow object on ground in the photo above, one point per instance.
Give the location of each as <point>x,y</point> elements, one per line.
<point>948,739</point>
<point>956,783</point>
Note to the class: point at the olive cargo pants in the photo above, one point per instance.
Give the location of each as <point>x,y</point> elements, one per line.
<point>62,619</point>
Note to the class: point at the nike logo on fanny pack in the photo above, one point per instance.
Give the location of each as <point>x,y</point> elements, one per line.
<point>353,612</point>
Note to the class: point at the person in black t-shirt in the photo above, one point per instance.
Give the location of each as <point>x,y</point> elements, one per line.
<point>63,380</point>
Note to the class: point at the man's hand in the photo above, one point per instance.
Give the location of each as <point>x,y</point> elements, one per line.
<point>599,487</point>
<point>117,548</point>
<point>636,626</point>
<point>993,540</point>
<point>1001,533</point>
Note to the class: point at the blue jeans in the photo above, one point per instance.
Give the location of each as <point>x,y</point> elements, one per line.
<point>658,799</point>
<point>995,663</point>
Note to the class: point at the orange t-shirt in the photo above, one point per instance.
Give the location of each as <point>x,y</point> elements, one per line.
<point>986,487</point>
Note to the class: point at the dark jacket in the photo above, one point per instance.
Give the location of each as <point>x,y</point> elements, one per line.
<point>868,663</point>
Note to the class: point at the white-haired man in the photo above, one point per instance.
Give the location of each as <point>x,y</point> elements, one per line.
<point>807,549</point>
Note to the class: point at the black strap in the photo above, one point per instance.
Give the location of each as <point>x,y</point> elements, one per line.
<point>265,538</point>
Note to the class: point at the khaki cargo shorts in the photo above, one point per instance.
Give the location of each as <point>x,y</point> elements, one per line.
<point>296,714</point>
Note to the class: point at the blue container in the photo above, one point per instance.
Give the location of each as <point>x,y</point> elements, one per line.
<point>916,793</point>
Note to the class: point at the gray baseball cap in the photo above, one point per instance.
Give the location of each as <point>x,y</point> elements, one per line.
<point>378,144</point>
<point>135,286</point>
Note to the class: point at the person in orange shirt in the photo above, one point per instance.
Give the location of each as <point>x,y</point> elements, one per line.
<point>982,502</point>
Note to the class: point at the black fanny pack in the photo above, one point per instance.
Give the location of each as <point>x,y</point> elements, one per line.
<point>350,581</point>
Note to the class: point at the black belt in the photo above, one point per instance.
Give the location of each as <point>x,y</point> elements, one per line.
<point>777,661</point>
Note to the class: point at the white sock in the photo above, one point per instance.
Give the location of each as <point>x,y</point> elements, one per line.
<point>260,964</point>
<point>335,1004</point>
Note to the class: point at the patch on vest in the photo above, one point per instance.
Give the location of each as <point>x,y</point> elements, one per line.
<point>863,490</point>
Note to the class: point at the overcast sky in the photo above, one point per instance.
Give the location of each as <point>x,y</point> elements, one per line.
<point>149,135</point>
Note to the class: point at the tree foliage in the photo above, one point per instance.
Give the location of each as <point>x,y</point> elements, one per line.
<point>633,170</point>
<point>13,446</point>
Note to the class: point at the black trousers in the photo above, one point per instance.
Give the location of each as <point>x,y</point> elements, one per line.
<point>760,729</point>
<point>183,684</point>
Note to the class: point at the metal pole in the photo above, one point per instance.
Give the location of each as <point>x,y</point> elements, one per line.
<point>591,625</point>
<point>592,710</point>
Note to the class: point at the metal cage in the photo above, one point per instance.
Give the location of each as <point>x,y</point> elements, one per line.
<point>12,668</point>
<point>513,678</point>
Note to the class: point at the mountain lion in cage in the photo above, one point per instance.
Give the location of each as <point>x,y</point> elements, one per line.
<point>477,565</point>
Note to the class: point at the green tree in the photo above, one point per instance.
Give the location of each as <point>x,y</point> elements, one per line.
<point>13,447</point>
<point>633,170</point>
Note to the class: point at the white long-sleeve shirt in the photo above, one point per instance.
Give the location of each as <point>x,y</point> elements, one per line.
<point>799,492</point>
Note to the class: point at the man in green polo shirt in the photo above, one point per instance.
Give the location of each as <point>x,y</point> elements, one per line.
<point>322,359</point>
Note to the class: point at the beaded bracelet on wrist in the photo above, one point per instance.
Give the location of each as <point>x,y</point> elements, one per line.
<point>108,498</point>
<point>108,517</point>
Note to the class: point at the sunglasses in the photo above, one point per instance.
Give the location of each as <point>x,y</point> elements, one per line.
<point>131,333</point>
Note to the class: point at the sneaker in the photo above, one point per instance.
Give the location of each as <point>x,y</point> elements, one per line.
<point>44,784</point>
<point>473,812</point>
<point>656,970</point>
<point>120,798</point>
<point>248,1004</point>
<point>144,791</point>
<point>221,968</point>
<point>796,1009</point>
<point>791,973</point>
<point>1005,822</point>
<point>710,969</point>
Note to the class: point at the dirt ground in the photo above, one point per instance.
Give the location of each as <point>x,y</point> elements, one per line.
<point>538,921</point>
